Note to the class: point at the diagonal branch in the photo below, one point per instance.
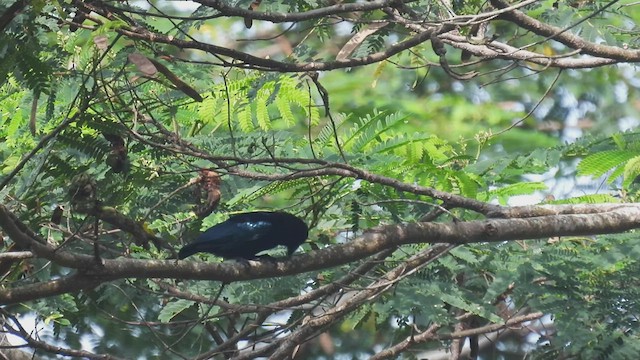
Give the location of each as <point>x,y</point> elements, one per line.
<point>18,330</point>
<point>317,324</point>
<point>561,35</point>
<point>498,50</point>
<point>11,13</point>
<point>254,62</point>
<point>64,285</point>
<point>430,335</point>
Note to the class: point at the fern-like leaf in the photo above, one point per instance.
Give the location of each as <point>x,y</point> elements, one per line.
<point>371,130</point>
<point>262,114</point>
<point>631,171</point>
<point>251,194</point>
<point>600,163</point>
<point>284,107</point>
<point>245,119</point>
<point>207,109</point>
<point>508,191</point>
<point>587,199</point>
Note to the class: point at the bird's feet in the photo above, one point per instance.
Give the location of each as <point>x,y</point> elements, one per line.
<point>244,262</point>
<point>268,258</point>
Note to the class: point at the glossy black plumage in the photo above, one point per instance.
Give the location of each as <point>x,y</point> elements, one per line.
<point>244,235</point>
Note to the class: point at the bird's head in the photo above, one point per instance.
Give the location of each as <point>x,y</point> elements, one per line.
<point>297,233</point>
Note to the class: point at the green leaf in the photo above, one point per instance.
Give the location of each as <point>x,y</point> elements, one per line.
<point>207,109</point>
<point>58,318</point>
<point>631,171</point>
<point>173,308</point>
<point>587,199</point>
<point>245,119</point>
<point>464,254</point>
<point>262,114</point>
<point>460,303</point>
<point>505,192</point>
<point>599,163</point>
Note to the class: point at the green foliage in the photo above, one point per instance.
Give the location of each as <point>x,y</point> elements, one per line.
<point>594,291</point>
<point>257,103</point>
<point>411,125</point>
<point>587,199</point>
<point>620,162</point>
<point>173,308</point>
<point>249,195</point>
<point>602,162</point>
<point>503,194</point>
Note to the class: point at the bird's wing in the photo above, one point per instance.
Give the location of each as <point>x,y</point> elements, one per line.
<point>233,237</point>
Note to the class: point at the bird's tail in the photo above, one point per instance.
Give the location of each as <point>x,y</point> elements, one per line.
<point>189,250</point>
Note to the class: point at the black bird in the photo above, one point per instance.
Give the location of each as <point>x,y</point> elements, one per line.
<point>242,236</point>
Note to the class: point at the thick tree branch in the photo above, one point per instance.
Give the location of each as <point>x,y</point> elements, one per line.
<point>69,284</point>
<point>16,255</point>
<point>619,218</point>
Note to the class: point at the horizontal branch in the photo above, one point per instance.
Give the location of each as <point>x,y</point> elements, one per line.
<point>619,218</point>
<point>277,17</point>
